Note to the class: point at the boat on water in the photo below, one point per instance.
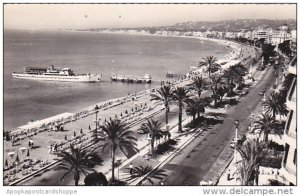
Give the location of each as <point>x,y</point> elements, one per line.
<point>131,78</point>
<point>52,74</point>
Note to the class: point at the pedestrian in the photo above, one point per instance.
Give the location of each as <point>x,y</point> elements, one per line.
<point>130,168</point>
<point>161,183</point>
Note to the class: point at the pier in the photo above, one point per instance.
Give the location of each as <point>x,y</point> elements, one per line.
<point>131,78</point>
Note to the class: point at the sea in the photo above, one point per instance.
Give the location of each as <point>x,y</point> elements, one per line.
<point>88,52</point>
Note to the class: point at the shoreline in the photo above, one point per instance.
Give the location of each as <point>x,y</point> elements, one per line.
<point>85,116</point>
<point>82,107</point>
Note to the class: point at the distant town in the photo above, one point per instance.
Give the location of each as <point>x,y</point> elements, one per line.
<point>253,31</point>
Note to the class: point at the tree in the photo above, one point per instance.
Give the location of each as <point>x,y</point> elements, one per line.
<point>267,51</point>
<point>147,173</point>
<point>153,128</point>
<point>215,81</point>
<point>95,179</point>
<point>181,96</point>
<point>192,109</point>
<point>252,153</point>
<point>266,124</point>
<point>164,94</point>
<point>275,104</point>
<point>199,84</point>
<point>116,135</point>
<point>211,63</point>
<point>196,107</point>
<point>77,161</point>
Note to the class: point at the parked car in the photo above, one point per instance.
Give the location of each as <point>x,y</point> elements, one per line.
<point>140,131</point>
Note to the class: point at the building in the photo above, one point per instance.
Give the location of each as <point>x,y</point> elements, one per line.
<point>289,162</point>
<point>263,34</point>
<point>281,34</point>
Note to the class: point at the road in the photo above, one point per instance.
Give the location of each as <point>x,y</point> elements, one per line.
<point>190,165</point>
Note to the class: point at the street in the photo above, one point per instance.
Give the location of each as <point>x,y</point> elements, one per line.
<point>195,161</point>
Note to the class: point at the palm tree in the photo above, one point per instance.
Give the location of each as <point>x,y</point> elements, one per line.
<point>77,162</point>
<point>266,124</point>
<point>116,135</point>
<point>164,94</point>
<point>275,104</point>
<point>215,82</point>
<point>153,128</point>
<point>147,173</point>
<point>196,107</point>
<point>199,84</point>
<point>181,96</point>
<point>210,63</point>
<point>252,153</point>
<point>192,109</point>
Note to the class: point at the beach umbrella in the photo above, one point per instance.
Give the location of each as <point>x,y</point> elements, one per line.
<point>28,153</point>
<point>11,154</point>
<point>23,149</point>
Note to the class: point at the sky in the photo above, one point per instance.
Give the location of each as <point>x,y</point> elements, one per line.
<point>55,16</point>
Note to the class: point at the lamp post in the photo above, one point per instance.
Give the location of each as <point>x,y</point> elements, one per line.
<point>119,163</point>
<point>149,139</point>
<point>264,99</point>
<point>236,133</point>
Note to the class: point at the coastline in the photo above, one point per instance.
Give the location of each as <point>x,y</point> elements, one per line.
<point>82,106</point>
<point>84,118</point>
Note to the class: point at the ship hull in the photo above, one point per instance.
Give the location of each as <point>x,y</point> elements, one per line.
<point>76,78</point>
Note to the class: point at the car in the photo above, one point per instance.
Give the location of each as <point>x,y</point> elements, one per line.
<point>260,68</point>
<point>141,131</point>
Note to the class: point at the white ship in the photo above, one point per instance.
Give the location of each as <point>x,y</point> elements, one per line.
<point>52,74</point>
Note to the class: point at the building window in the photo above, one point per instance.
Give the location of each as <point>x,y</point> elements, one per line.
<point>287,148</point>
<point>295,157</point>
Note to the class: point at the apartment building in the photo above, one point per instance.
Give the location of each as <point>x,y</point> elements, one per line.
<point>289,162</point>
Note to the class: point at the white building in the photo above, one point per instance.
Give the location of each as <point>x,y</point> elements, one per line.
<point>289,162</point>
<point>281,34</point>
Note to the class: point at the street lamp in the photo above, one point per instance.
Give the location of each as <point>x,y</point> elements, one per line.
<point>149,139</point>
<point>118,164</point>
<point>236,133</point>
<point>264,99</point>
